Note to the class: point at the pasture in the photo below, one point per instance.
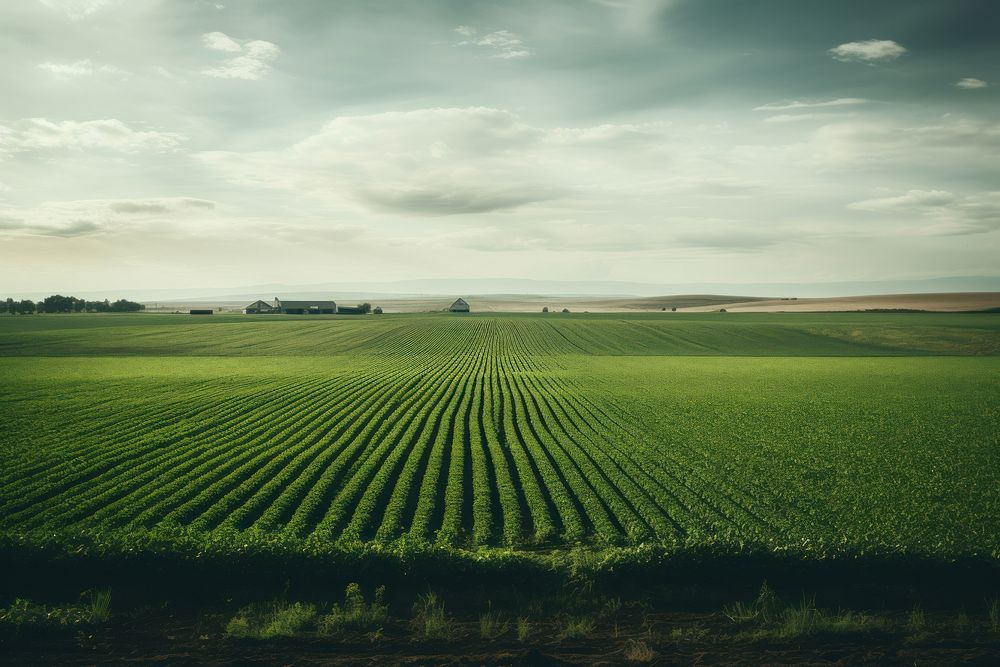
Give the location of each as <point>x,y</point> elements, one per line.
<point>808,435</point>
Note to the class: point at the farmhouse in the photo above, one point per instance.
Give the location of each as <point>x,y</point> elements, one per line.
<point>292,307</point>
<point>460,306</point>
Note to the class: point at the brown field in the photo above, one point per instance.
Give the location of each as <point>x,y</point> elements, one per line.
<point>514,303</point>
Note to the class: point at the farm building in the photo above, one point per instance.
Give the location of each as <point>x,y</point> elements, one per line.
<point>292,307</point>
<point>258,307</point>
<point>460,306</point>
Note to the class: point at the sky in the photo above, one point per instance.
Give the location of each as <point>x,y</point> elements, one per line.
<point>168,143</point>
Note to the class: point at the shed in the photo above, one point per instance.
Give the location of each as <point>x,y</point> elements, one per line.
<point>460,306</point>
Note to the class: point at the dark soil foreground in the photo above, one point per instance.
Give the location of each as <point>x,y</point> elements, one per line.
<point>147,636</point>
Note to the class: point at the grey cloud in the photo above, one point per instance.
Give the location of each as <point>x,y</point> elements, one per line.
<point>141,206</point>
<point>433,201</point>
<point>137,207</point>
<point>75,228</point>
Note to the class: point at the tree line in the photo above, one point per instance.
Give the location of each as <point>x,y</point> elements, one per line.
<point>57,303</point>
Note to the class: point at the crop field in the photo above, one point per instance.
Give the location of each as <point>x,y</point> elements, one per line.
<point>822,434</point>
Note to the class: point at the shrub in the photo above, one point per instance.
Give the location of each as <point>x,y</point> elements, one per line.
<point>523,628</point>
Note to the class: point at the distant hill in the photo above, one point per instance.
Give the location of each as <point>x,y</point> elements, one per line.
<point>454,287</point>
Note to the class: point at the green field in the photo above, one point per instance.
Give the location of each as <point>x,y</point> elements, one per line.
<point>809,434</point>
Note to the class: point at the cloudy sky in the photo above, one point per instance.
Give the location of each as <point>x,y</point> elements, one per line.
<point>170,143</point>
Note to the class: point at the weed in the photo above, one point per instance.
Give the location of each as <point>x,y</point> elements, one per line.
<point>272,619</point>
<point>99,605</point>
<point>523,628</point>
<point>94,609</point>
<point>962,623</point>
<point>917,622</point>
<point>429,618</point>
<point>356,614</point>
<point>638,651</point>
<point>802,620</point>
<point>492,624</point>
<point>764,609</point>
<point>575,627</point>
<point>694,633</point>
<point>610,607</point>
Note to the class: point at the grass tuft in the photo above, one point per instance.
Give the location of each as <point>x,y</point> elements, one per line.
<point>356,613</point>
<point>99,605</point>
<point>272,619</point>
<point>523,628</point>
<point>429,618</point>
<point>575,627</point>
<point>638,651</point>
<point>492,624</point>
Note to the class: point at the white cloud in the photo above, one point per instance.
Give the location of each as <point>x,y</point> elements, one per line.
<point>428,162</point>
<point>872,50</point>
<point>938,212</point>
<point>250,60</point>
<point>913,199</point>
<point>112,134</point>
<point>800,117</point>
<point>788,106</point>
<point>502,44</point>
<point>220,41</point>
<point>874,142</point>
<point>970,83</point>
<point>81,68</point>
<point>77,9</point>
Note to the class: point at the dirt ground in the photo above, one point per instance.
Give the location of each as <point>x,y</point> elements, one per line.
<point>162,637</point>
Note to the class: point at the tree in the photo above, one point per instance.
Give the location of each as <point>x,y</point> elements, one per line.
<point>125,306</point>
<point>26,307</point>
<point>9,306</point>
<point>545,309</point>
<point>364,308</point>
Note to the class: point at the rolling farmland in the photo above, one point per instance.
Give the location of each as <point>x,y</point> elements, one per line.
<point>821,434</point>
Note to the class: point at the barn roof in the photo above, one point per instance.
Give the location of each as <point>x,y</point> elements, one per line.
<point>307,304</point>
<point>459,302</point>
